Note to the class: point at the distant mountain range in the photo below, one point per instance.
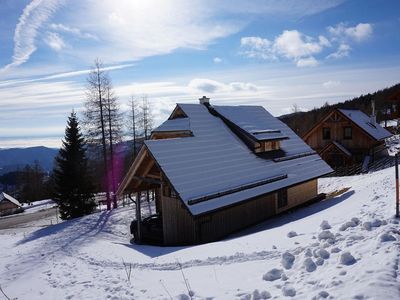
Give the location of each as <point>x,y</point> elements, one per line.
<point>17,158</point>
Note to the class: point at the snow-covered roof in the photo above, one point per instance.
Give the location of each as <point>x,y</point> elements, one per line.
<point>178,124</point>
<point>214,168</point>
<point>6,197</point>
<point>364,122</point>
<point>255,121</point>
<point>256,118</point>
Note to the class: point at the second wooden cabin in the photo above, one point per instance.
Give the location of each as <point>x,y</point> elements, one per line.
<point>345,137</point>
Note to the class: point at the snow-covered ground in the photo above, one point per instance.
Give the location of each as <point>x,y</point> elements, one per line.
<point>34,207</point>
<point>390,123</point>
<point>38,206</point>
<point>346,247</point>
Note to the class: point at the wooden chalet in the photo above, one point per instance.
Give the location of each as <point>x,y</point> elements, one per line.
<point>218,169</point>
<point>345,137</point>
<point>8,204</point>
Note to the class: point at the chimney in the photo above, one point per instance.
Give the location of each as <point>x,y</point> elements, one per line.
<point>205,101</point>
<point>373,115</point>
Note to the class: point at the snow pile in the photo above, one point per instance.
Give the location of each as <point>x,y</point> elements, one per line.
<point>348,249</point>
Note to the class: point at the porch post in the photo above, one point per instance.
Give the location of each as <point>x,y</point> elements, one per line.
<point>138,216</point>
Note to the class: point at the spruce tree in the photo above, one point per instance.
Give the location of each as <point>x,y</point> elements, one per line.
<point>74,190</point>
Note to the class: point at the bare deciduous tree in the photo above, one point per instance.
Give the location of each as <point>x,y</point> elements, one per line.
<point>295,108</point>
<point>114,133</point>
<point>134,123</point>
<point>103,121</point>
<point>146,118</point>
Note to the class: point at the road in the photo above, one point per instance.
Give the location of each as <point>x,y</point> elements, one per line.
<point>20,220</point>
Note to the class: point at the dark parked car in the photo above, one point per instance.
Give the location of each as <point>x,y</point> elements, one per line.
<point>151,229</point>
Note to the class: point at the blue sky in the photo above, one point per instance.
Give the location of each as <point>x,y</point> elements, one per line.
<point>271,53</point>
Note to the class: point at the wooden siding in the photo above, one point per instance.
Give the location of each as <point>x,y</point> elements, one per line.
<point>300,194</point>
<point>178,224</point>
<point>360,141</point>
<point>181,228</point>
<point>5,205</point>
<point>219,224</point>
<point>170,134</point>
<point>335,156</point>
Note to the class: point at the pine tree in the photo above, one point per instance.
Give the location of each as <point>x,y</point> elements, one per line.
<point>73,188</point>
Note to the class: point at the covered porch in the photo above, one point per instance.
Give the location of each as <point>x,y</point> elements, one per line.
<point>142,186</point>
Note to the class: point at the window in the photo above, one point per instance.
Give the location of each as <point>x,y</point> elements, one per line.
<point>173,194</point>
<point>326,133</point>
<point>282,198</point>
<point>347,133</point>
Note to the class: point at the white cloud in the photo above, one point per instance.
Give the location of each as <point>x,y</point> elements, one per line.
<point>243,86</point>
<point>217,60</point>
<point>342,51</point>
<point>291,44</point>
<point>323,41</point>
<point>361,32</point>
<point>123,30</point>
<point>331,84</point>
<point>132,30</point>
<point>33,16</point>
<point>54,41</point>
<point>38,105</point>
<point>127,30</point>
<point>60,75</point>
<point>212,86</point>
<point>303,49</point>
<point>307,62</point>
<point>256,47</point>
<point>358,33</point>
<point>291,8</point>
<point>206,85</point>
<point>72,30</point>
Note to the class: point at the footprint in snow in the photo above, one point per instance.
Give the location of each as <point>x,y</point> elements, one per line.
<point>323,295</point>
<point>288,291</point>
<point>272,275</point>
<point>353,223</point>
<point>241,296</point>
<point>326,235</point>
<point>387,237</point>
<point>309,265</point>
<point>325,225</point>
<point>347,259</point>
<point>287,260</point>
<point>257,295</point>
